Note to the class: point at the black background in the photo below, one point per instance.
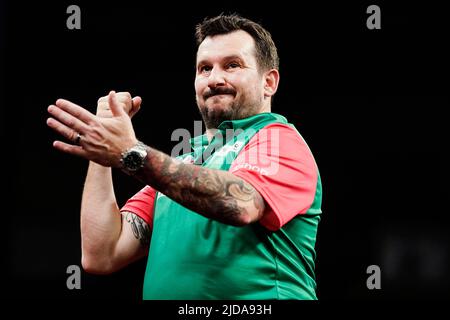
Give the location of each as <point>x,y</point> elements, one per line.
<point>370,104</point>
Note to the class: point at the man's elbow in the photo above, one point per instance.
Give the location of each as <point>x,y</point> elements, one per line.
<point>243,219</point>
<point>244,213</point>
<point>95,265</point>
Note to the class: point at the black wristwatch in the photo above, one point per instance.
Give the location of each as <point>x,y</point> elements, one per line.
<point>134,158</point>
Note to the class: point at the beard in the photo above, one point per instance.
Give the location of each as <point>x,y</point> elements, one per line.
<point>239,108</point>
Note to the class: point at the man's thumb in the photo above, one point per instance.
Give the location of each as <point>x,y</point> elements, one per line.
<point>136,102</point>
<point>116,109</point>
<point>135,105</point>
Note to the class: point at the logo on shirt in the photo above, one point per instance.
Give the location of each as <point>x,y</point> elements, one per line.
<point>227,149</point>
<point>248,166</point>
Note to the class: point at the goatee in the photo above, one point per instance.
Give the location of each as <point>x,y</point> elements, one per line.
<point>214,117</point>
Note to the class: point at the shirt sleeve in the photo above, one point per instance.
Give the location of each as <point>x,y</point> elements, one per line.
<point>279,165</point>
<point>142,204</point>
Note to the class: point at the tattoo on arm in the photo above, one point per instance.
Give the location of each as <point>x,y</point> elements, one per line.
<point>140,228</point>
<point>214,194</point>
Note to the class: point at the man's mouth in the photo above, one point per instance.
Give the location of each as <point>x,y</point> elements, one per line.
<point>221,92</point>
<point>221,95</point>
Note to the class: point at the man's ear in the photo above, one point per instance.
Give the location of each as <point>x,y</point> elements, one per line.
<point>271,80</point>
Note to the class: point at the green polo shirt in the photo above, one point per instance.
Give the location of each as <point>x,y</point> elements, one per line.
<point>193,257</point>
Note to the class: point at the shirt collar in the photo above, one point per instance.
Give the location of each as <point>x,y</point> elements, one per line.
<point>242,124</point>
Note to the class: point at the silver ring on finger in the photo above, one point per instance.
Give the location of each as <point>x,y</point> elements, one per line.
<point>78,139</point>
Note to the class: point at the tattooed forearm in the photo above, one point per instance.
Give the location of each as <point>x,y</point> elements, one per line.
<point>140,228</point>
<point>215,194</point>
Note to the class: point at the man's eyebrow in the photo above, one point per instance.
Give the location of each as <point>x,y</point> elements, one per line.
<point>226,58</point>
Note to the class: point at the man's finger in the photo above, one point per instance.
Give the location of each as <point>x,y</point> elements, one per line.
<point>62,129</point>
<point>70,149</point>
<point>137,102</point>
<point>136,105</point>
<point>68,119</point>
<point>125,94</point>
<point>116,109</point>
<point>102,100</point>
<point>75,110</point>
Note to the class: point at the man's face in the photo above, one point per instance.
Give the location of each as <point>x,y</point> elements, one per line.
<point>228,85</point>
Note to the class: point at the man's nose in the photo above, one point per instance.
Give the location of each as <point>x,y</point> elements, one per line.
<point>216,78</point>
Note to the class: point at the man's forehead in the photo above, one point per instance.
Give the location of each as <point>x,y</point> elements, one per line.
<point>235,44</point>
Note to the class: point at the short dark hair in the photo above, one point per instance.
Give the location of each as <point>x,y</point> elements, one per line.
<point>266,51</point>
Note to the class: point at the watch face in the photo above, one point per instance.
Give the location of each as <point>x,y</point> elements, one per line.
<point>133,161</point>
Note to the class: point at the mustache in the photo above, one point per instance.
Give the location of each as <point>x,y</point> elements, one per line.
<point>216,91</point>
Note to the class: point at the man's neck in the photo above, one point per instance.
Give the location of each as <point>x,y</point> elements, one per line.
<point>210,132</point>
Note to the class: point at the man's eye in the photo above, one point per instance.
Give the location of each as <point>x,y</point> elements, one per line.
<point>205,69</point>
<point>233,65</point>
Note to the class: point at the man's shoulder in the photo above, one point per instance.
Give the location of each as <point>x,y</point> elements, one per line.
<point>277,132</point>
